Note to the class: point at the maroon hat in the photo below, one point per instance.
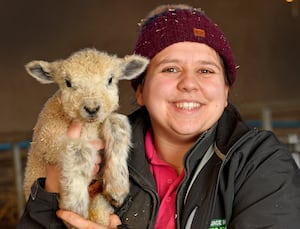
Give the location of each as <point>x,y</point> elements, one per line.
<point>169,24</point>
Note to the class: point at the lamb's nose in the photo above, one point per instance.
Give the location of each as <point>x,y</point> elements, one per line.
<point>91,111</point>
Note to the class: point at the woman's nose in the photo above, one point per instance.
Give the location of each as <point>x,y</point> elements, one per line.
<point>188,82</point>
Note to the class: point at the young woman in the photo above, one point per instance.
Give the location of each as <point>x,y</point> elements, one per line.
<point>194,162</point>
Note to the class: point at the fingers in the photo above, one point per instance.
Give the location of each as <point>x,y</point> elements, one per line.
<point>74,129</point>
<point>52,183</point>
<point>96,169</point>
<point>73,219</point>
<point>79,222</point>
<point>114,221</point>
<point>98,144</point>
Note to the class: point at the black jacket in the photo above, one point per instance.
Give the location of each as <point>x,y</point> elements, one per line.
<point>236,177</point>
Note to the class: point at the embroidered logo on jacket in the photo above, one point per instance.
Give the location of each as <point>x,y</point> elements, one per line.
<point>218,224</point>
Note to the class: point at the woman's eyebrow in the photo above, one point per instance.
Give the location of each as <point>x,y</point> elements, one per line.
<point>207,62</point>
<point>203,62</point>
<point>168,60</point>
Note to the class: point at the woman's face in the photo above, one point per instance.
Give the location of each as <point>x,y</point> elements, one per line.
<point>184,90</point>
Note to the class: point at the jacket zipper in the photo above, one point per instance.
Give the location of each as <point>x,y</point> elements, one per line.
<point>183,184</point>
<point>226,159</point>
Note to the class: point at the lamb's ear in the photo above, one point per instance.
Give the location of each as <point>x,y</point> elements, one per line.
<point>40,70</point>
<point>134,66</point>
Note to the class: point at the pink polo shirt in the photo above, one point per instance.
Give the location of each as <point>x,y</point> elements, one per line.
<point>167,182</point>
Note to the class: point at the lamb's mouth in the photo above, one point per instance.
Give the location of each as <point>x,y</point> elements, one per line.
<point>91,119</point>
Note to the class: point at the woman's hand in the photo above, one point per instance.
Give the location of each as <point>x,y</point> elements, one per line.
<point>53,172</point>
<point>81,223</point>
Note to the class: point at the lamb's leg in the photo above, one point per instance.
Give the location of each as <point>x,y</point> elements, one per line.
<point>117,135</point>
<point>100,210</point>
<point>35,168</point>
<point>77,164</point>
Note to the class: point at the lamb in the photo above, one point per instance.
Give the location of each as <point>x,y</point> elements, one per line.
<point>88,92</point>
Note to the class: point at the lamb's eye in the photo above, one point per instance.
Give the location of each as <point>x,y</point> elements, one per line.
<point>110,80</point>
<point>68,83</point>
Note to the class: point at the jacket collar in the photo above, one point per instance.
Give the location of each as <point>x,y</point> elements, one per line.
<point>137,160</point>
<point>230,128</point>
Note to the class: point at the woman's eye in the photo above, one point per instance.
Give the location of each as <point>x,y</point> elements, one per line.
<point>170,70</point>
<point>68,83</point>
<point>205,71</point>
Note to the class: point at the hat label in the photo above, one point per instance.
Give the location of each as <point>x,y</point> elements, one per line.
<point>199,32</point>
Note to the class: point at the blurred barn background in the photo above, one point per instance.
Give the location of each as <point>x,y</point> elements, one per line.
<point>264,35</point>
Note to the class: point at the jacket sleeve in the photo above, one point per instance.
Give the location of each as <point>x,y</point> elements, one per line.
<point>40,209</point>
<point>266,186</point>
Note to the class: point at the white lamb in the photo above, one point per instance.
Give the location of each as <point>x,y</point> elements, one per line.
<point>88,91</point>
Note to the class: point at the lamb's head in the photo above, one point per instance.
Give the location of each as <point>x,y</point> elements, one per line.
<point>88,81</point>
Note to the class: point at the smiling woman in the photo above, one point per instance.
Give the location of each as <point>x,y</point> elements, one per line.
<point>185,92</point>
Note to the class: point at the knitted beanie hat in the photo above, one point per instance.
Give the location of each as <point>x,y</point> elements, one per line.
<point>169,24</point>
